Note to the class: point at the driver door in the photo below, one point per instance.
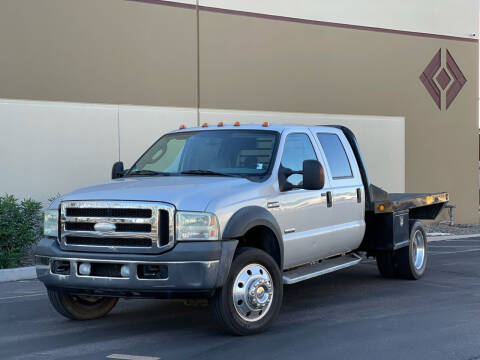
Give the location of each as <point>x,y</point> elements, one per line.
<point>301,214</point>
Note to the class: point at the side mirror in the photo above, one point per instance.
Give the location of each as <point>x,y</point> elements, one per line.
<point>313,175</point>
<point>117,170</point>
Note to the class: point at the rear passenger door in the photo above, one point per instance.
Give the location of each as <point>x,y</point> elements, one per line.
<point>345,193</point>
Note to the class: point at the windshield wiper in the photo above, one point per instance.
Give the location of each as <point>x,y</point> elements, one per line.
<point>146,173</point>
<point>206,172</point>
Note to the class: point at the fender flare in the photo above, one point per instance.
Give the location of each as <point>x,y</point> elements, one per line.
<point>249,217</point>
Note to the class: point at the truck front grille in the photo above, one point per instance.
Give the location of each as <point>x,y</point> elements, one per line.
<point>116,226</point>
<point>108,241</point>
<point>110,212</point>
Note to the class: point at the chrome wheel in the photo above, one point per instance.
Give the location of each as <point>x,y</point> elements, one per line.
<point>418,249</point>
<point>252,292</point>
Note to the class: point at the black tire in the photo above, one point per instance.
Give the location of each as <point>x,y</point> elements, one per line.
<point>402,262</point>
<point>222,303</point>
<point>410,266</point>
<point>81,307</point>
<point>386,264</point>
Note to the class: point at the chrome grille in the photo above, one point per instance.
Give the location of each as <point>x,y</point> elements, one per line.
<point>124,226</point>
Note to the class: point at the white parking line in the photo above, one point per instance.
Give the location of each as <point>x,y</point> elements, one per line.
<point>448,246</point>
<point>453,237</point>
<point>131,357</point>
<point>21,296</point>
<point>452,252</point>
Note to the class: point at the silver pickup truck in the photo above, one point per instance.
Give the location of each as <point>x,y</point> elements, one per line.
<point>231,213</point>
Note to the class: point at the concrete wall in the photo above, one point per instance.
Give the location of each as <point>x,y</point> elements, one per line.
<point>108,51</point>
<point>256,59</point>
<point>52,147</point>
<point>302,67</point>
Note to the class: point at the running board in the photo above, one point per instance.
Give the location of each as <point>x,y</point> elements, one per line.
<point>326,266</point>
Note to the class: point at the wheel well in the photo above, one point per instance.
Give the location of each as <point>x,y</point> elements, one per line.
<point>261,237</point>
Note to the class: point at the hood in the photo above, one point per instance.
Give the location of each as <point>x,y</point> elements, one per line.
<point>185,192</point>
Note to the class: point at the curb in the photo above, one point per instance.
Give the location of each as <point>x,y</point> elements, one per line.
<point>21,273</point>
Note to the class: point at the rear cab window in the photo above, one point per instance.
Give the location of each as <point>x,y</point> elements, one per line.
<point>336,156</point>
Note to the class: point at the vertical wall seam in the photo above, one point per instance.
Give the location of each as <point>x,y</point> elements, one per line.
<point>118,131</point>
<point>198,63</point>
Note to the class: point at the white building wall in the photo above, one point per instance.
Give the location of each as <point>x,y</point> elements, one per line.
<point>440,17</point>
<point>53,147</point>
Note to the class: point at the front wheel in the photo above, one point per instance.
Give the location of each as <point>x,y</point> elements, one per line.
<point>252,296</point>
<point>77,307</point>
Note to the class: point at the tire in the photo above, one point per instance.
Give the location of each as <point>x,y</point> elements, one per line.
<point>81,307</point>
<point>386,264</point>
<point>252,295</point>
<point>412,260</point>
<point>408,262</point>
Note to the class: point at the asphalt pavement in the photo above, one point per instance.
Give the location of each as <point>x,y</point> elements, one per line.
<point>350,314</point>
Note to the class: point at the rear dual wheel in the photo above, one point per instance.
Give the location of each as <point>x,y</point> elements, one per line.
<point>408,262</point>
<point>251,297</point>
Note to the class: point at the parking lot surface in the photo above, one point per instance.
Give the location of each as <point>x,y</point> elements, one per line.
<point>350,314</point>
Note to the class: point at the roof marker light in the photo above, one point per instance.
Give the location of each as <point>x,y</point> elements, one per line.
<point>205,124</point>
<point>236,123</point>
<point>181,127</point>
<point>220,123</point>
<point>265,124</point>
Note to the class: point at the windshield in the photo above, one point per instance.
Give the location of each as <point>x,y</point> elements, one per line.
<point>243,153</point>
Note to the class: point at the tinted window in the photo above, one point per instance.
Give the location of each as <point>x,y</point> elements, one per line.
<point>336,156</point>
<point>297,148</point>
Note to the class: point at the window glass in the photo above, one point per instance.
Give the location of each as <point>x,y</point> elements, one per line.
<point>297,149</point>
<point>233,152</point>
<point>336,157</point>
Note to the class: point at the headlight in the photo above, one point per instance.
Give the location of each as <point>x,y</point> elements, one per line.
<point>196,226</point>
<point>50,223</point>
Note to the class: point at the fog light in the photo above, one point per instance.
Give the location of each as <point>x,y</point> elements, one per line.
<point>125,271</point>
<point>84,269</point>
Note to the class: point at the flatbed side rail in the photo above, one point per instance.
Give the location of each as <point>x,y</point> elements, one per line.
<point>399,202</point>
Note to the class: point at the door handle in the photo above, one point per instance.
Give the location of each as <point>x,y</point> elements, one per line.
<point>359,195</point>
<point>328,194</point>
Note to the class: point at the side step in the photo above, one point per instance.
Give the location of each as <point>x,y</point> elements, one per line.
<point>326,266</point>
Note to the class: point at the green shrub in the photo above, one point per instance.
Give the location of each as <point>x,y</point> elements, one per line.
<point>21,225</point>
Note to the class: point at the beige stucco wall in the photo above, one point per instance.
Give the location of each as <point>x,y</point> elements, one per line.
<point>125,52</point>
<point>108,51</point>
<point>251,63</point>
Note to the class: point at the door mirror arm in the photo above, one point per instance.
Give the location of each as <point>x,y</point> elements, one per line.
<point>283,174</point>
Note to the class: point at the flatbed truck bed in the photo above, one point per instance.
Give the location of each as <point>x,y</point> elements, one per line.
<point>389,216</point>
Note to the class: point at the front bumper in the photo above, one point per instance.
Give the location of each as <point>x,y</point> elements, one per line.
<point>193,267</point>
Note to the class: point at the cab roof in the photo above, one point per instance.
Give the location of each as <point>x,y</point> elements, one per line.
<point>248,126</point>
